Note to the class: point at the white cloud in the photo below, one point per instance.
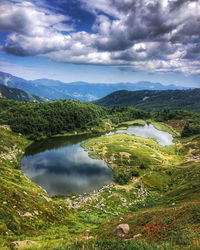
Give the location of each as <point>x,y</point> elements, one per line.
<point>156,36</point>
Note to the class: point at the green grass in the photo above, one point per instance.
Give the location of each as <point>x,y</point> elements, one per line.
<point>165,211</point>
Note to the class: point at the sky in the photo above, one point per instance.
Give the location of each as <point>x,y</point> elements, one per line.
<point>102,41</point>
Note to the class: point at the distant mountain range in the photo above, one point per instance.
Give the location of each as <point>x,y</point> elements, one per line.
<point>82,91</point>
<point>19,95</point>
<point>154,100</point>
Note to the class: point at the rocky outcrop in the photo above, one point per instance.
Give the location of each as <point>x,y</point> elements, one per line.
<point>122,229</point>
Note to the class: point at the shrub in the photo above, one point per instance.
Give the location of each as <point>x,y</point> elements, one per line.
<point>143,166</point>
<point>122,178</point>
<point>135,173</point>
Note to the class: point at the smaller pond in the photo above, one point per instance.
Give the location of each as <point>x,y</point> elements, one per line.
<point>148,131</point>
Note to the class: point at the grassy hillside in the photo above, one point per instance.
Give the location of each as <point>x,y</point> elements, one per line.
<point>161,205</point>
<point>20,95</point>
<point>169,173</point>
<point>154,100</point>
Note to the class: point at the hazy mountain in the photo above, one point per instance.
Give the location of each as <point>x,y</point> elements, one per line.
<point>82,91</point>
<point>19,95</point>
<point>154,100</point>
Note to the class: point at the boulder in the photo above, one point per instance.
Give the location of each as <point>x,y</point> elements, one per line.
<point>122,229</point>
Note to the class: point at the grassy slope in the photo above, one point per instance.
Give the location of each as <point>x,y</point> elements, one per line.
<point>25,209</point>
<point>165,211</point>
<point>173,175</point>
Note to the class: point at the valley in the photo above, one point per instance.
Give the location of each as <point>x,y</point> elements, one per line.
<point>99,125</point>
<point>155,192</point>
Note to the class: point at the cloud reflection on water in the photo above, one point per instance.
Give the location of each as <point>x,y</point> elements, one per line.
<point>150,131</point>
<point>66,170</point>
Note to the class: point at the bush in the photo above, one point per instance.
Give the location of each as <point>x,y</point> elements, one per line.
<point>143,166</point>
<point>135,173</point>
<point>190,130</point>
<point>122,178</point>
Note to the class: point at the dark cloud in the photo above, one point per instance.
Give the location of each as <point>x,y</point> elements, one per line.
<point>193,52</point>
<point>174,4</point>
<point>142,22</point>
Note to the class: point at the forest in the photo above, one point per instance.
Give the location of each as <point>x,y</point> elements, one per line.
<point>37,120</point>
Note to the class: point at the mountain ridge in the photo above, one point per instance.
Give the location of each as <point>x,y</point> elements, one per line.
<point>20,95</point>
<point>153,100</point>
<point>79,90</point>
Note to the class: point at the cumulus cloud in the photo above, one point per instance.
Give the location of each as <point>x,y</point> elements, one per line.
<point>151,35</point>
<point>34,31</point>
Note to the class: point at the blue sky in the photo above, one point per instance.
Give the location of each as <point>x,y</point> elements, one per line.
<point>102,41</point>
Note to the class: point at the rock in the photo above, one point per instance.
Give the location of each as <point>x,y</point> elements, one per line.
<point>27,214</point>
<point>69,203</point>
<point>87,232</point>
<point>87,237</point>
<point>7,127</point>
<point>36,212</point>
<point>23,243</point>
<point>137,235</point>
<point>122,229</point>
<point>45,197</point>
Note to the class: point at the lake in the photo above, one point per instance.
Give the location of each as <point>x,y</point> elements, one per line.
<point>61,166</point>
<point>148,131</point>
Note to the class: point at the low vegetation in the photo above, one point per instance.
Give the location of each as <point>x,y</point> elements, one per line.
<point>156,188</point>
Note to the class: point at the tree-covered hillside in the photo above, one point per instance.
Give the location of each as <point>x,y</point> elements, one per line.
<point>19,95</point>
<point>154,100</point>
<point>46,119</point>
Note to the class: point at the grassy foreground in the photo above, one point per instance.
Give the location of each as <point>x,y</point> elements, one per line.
<point>161,205</point>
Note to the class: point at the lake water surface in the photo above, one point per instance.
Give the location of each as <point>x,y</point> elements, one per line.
<point>61,166</point>
<point>148,131</point>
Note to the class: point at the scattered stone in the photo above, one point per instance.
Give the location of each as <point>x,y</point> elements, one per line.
<point>137,235</point>
<point>27,214</point>
<point>69,203</point>
<point>87,237</point>
<point>48,199</point>
<point>87,232</point>
<point>23,243</point>
<point>122,229</point>
<point>36,212</point>
<point>7,127</point>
